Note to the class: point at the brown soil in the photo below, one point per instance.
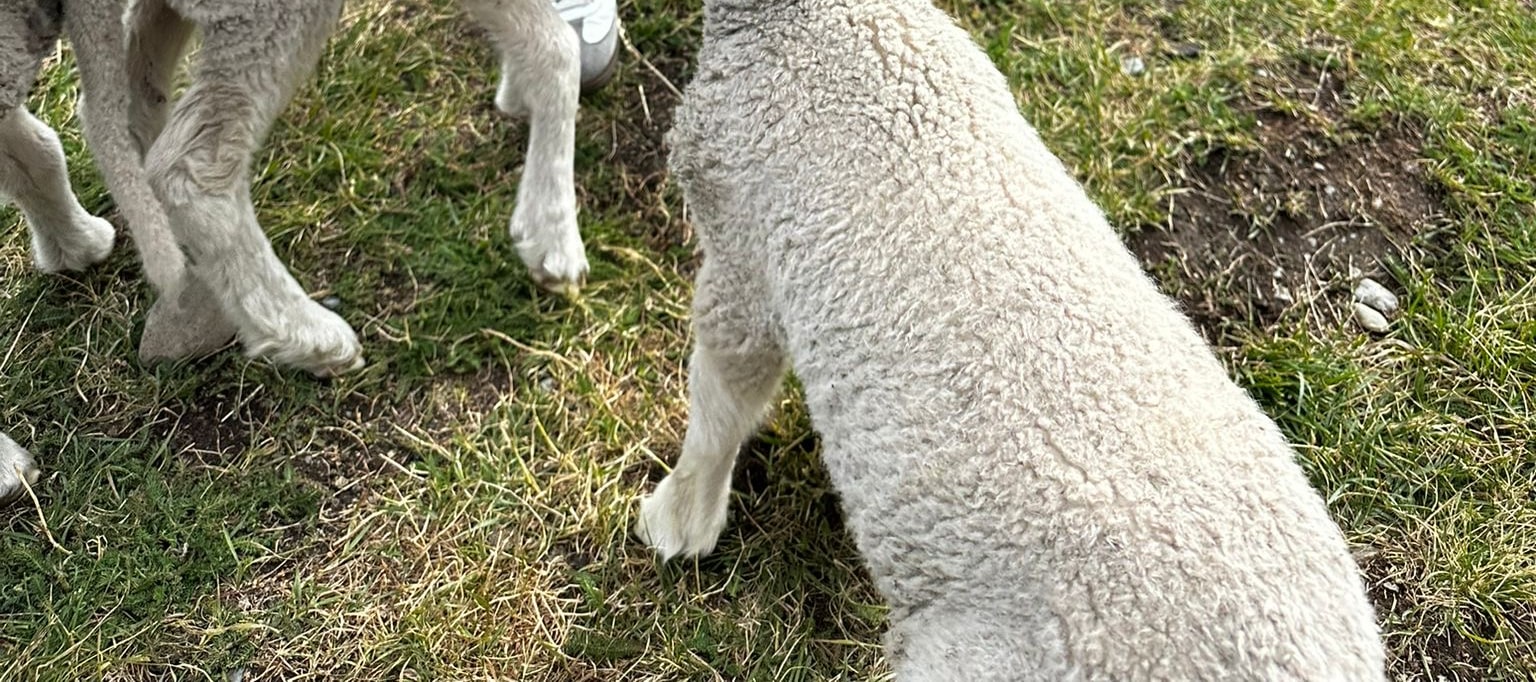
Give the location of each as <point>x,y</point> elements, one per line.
<point>218,425</point>
<point>340,456</point>
<point>1448,655</point>
<point>637,131</point>
<point>1255,235</point>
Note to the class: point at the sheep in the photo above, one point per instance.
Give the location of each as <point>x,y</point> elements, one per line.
<point>180,171</point>
<point>1048,473</point>
<point>254,54</point>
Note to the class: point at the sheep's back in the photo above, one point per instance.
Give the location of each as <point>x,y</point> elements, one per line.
<point>1009,408</point>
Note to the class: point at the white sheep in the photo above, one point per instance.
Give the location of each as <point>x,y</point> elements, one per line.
<point>1047,471</point>
<point>179,169</point>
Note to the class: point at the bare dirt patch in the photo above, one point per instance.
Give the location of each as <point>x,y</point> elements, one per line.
<point>637,123</point>
<point>219,425</point>
<point>378,433</point>
<point>1448,655</point>
<point>371,432</point>
<point>1255,235</point>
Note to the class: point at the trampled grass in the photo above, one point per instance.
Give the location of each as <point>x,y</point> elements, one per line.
<point>460,508</point>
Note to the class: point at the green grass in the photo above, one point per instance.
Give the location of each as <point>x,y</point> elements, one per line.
<point>460,508</point>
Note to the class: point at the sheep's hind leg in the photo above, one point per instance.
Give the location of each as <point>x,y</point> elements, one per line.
<point>541,79</point>
<point>32,173</point>
<point>199,166</point>
<point>186,321</point>
<point>157,37</point>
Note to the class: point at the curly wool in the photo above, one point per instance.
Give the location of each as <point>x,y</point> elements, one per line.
<point>1047,471</point>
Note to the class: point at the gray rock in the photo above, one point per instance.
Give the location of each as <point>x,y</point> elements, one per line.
<point>1369,319</point>
<point>1373,294</point>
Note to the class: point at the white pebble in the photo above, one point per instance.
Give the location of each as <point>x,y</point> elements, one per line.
<point>1368,318</point>
<point>1373,294</point>
<point>1133,66</point>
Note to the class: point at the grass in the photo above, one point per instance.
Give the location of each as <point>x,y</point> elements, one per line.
<point>460,508</point>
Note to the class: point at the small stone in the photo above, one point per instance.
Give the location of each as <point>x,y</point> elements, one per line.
<point>331,303</point>
<point>1330,190</point>
<point>1369,319</point>
<point>1319,167</point>
<point>1261,73</point>
<point>1133,65</point>
<point>1378,297</point>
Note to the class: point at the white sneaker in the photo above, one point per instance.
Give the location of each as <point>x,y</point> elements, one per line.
<point>597,24</point>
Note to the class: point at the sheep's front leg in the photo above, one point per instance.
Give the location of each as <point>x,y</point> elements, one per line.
<point>32,173</point>
<point>16,466</point>
<point>541,79</point>
<point>728,394</point>
<point>185,320</point>
<point>732,377</point>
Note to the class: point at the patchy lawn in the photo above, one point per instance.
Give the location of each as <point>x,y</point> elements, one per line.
<point>460,508</point>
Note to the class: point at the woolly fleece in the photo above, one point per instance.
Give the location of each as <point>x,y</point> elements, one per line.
<point>1047,471</point>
